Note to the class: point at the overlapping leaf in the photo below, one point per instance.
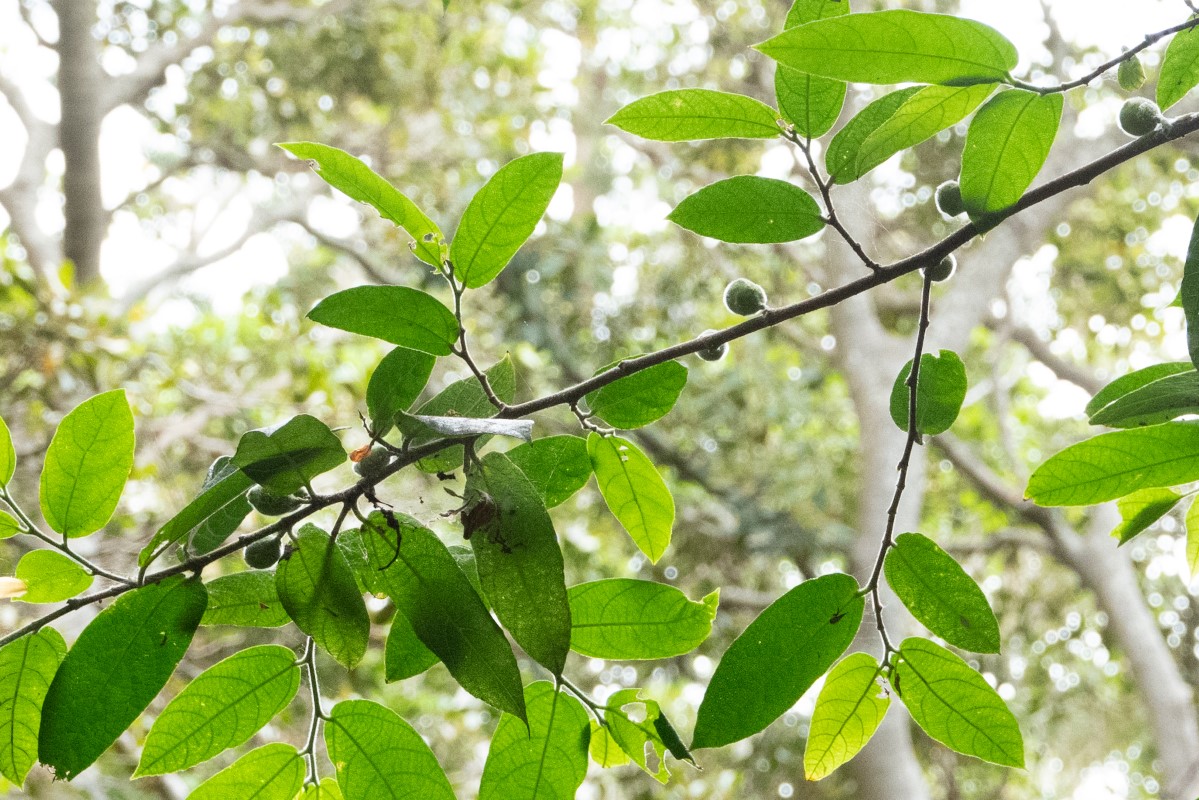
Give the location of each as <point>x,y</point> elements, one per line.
<point>778,658</point>
<point>627,619</point>
<point>545,761</point>
<point>1141,509</point>
<point>397,314</point>
<point>809,102</point>
<point>502,215</point>
<point>118,664</point>
<point>288,457</point>
<point>464,398</point>
<point>87,464</point>
<point>1159,401</point>
<point>848,711</point>
<point>955,705</point>
<point>1006,146</point>
<point>395,384</point>
<point>842,156</point>
<point>1127,384</point>
<point>405,655</point>
<point>229,487</point>
<point>245,598</point>
<point>557,466</point>
<point>641,398</point>
<point>221,708</point>
<point>272,772</point>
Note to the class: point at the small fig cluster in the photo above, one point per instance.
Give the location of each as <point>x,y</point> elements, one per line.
<point>744,297</point>
<point>715,352</point>
<point>1140,116</point>
<point>949,199</point>
<point>942,270</point>
<point>263,554</point>
<point>272,504</point>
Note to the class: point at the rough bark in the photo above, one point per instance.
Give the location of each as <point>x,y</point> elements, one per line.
<point>80,86</point>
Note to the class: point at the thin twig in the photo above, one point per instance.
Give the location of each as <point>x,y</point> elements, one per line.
<point>314,688</point>
<point>463,350</point>
<point>61,546</point>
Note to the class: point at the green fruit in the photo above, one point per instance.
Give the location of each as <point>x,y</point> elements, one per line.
<point>949,199</point>
<point>942,269</point>
<point>1130,74</point>
<point>374,464</point>
<point>273,505</point>
<point>715,352</point>
<point>744,297</point>
<point>263,554</point>
<point>1139,116</point>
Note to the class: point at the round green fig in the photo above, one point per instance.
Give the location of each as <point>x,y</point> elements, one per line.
<point>263,554</point>
<point>949,199</point>
<point>273,505</point>
<point>374,463</point>
<point>1130,74</point>
<point>1139,116</point>
<point>744,297</point>
<point>942,270</point>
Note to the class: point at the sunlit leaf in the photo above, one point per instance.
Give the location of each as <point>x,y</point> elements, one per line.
<point>604,750</point>
<point>634,491</point>
<point>843,150</point>
<point>545,761</point>
<point>940,594</point>
<point>222,707</point>
<point>87,464</point>
<point>809,102</point>
<point>272,772</point>
<point>896,46</point>
<point>120,661</point>
<point>955,705</point>
<point>848,711</point>
<point>557,466</point>
<point>641,398</point>
<point>1127,384</point>
<point>502,215</point>
<point>396,314</point>
<point>680,115</point>
<point>405,655</point>
<point>27,667</point>
<point>626,619</point>
<point>778,658</point>
<point>747,209</point>
<point>379,756</point>
<point>1008,142</point>
<point>1192,545</point>
<point>8,455</point>
<point>51,577</point>
<point>633,731</point>
<point>1180,68</point>
<point>1141,509</point>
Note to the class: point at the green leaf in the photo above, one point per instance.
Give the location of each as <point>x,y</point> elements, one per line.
<point>1192,548</point>
<point>778,658</point>
<point>1159,401</point>
<point>843,150</point>
<point>749,210</point>
<point>8,455</point>
<point>272,772</point>
<point>464,398</point>
<point>405,655</point>
<point>211,501</point>
<point>120,661</point>
<point>632,737</point>
<point>681,115</point>
<point>289,456</point>
<point>940,391</point>
<point>848,711</point>
<point>1114,464</point>
<point>87,464</point>
<point>247,598</point>
<point>316,586</point>
<point>557,466</point>
<point>27,667</point>
<point>395,384</point>
<point>9,526</point>
<point>212,532</point>
<point>502,215</point>
<point>1141,509</point>
<point>51,577</point>
<point>1129,383</point>
<point>378,755</point>
<point>604,750</point>
<point>896,46</point>
<point>1180,68</point>
<point>670,738</point>
<point>424,581</point>
<point>520,563</point>
<point>221,708</point>
<point>954,705</point>
<point>327,789</point>
<point>634,491</point>
<point>396,314</point>
<point>940,594</point>
<point>926,112</point>
<point>810,103</point>
<point>640,398</point>
<point>624,619</point>
<point>347,174</point>
<point>1006,146</point>
<point>1189,293</point>
<point>546,760</point>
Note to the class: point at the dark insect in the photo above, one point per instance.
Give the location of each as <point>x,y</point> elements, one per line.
<point>478,515</point>
<point>840,615</point>
<point>445,476</point>
<point>390,518</point>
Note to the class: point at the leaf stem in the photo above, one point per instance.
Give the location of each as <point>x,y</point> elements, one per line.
<point>314,689</point>
<point>463,350</point>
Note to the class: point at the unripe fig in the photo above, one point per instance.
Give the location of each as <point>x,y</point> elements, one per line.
<point>273,505</point>
<point>373,464</point>
<point>1130,74</point>
<point>263,554</point>
<point>949,199</point>
<point>942,270</point>
<point>1139,116</point>
<point>744,297</point>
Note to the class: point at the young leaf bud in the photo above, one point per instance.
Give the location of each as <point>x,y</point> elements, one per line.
<point>942,270</point>
<point>1130,74</point>
<point>744,297</point>
<point>267,502</point>
<point>949,199</point>
<point>1139,116</point>
<point>373,464</point>
<point>263,554</point>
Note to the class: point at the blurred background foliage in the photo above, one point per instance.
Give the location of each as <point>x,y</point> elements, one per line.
<point>217,244</point>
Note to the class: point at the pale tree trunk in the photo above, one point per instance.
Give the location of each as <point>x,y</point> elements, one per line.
<point>81,86</point>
